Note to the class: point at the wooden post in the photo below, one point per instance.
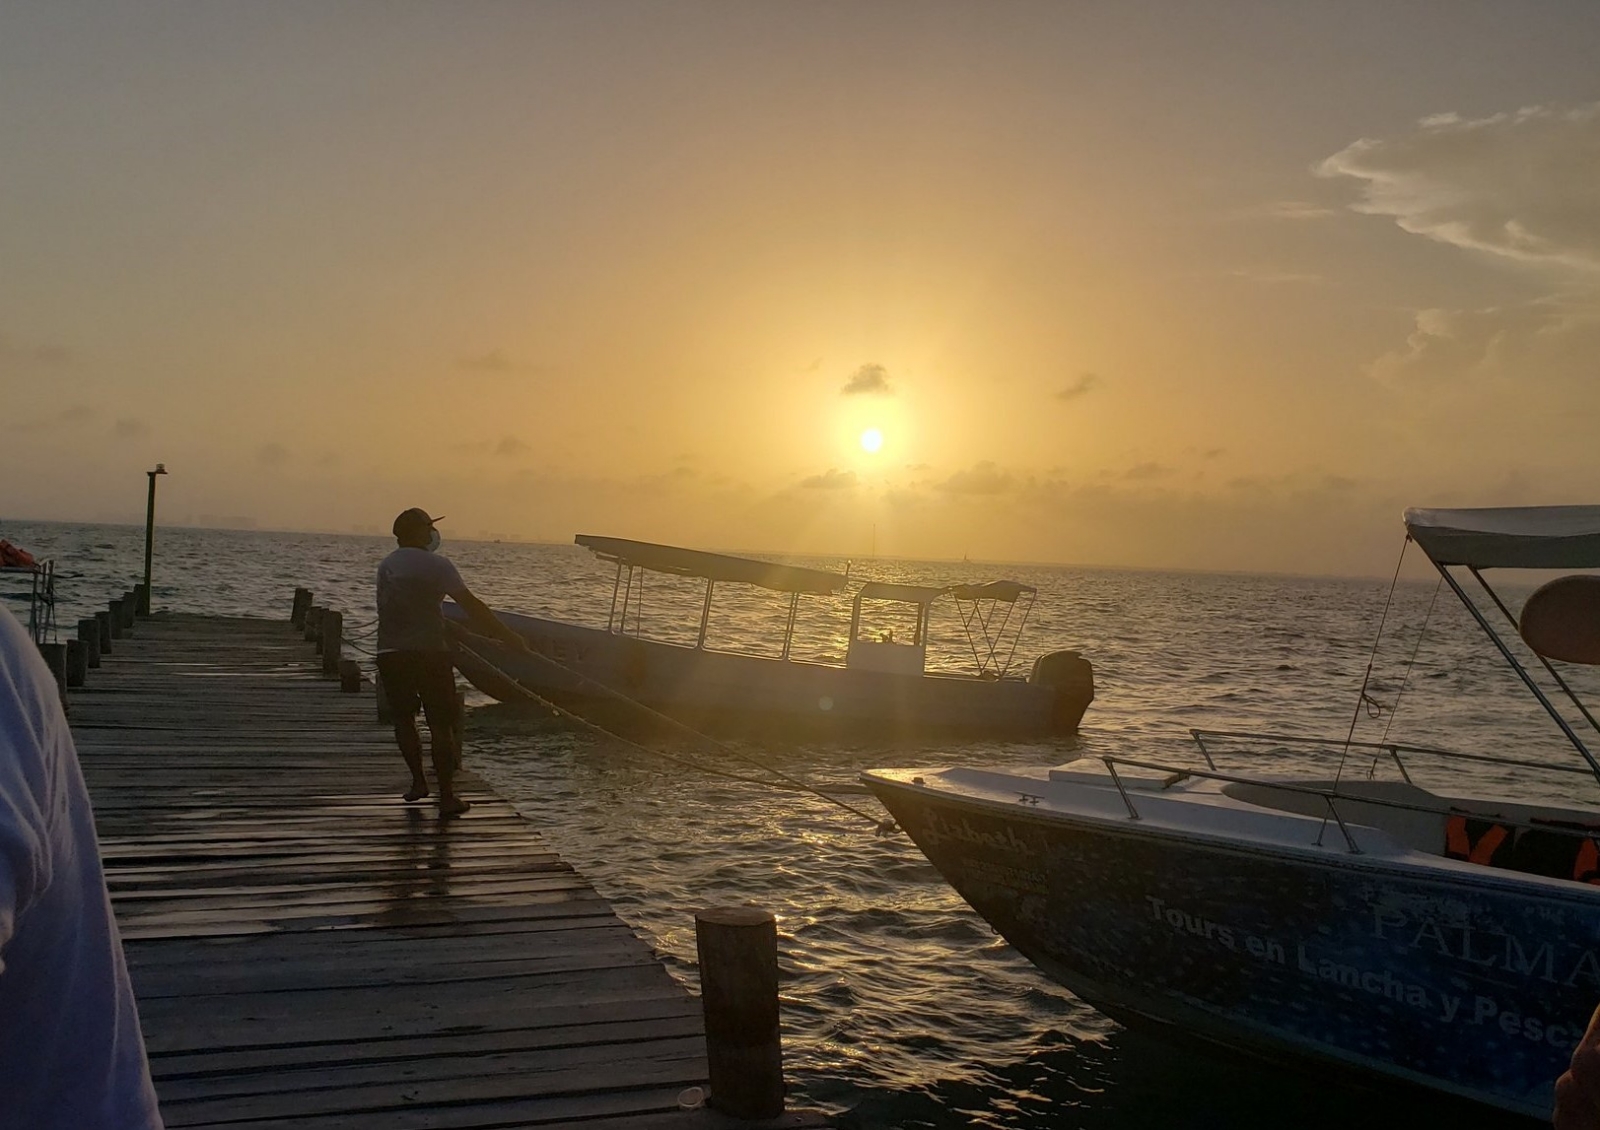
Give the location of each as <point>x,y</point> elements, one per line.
<point>385,711</point>
<point>738,948</point>
<point>349,676</point>
<point>55,657</point>
<point>89,633</point>
<point>115,612</point>
<point>141,600</point>
<point>103,622</point>
<point>332,643</point>
<point>129,602</point>
<point>77,664</point>
<point>302,601</point>
<point>313,629</point>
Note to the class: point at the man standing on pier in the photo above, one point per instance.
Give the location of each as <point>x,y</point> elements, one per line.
<point>414,652</point>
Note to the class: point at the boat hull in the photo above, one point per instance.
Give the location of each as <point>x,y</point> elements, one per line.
<point>724,692</point>
<point>1477,989</point>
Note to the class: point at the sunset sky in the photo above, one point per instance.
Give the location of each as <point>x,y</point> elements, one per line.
<point>1212,286</point>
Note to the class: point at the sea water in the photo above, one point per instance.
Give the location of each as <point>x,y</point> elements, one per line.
<point>901,1008</point>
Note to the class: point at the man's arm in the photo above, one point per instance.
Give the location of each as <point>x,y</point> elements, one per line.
<point>1578,1091</point>
<point>481,618</point>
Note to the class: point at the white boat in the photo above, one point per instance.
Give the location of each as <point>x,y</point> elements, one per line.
<point>882,688</point>
<point>1428,937</point>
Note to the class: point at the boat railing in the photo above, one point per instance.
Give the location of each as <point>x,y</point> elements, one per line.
<point>1330,796</point>
<point>1392,749</point>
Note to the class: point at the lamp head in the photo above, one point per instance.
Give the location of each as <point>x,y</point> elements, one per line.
<point>161,469</point>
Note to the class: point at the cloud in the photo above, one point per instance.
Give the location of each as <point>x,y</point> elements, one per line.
<point>1081,385</point>
<point>1143,472</point>
<point>272,455</point>
<point>870,380</point>
<point>76,414</point>
<point>15,354</point>
<point>1523,185</point>
<point>1213,452</point>
<point>129,428</point>
<point>982,478</point>
<point>1548,342</point>
<point>831,479</point>
<point>496,361</point>
<point>509,447</point>
<point>1269,275</point>
<point>1293,210</point>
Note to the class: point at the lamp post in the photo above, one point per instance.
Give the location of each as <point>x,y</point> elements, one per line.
<point>149,537</point>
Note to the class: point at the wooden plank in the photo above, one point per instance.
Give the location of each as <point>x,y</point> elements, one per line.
<point>309,951</point>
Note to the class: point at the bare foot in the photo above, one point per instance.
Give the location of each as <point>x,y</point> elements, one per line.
<point>455,806</point>
<point>416,792</point>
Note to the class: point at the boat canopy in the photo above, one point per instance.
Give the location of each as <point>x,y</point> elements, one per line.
<point>911,594</point>
<point>1509,537</point>
<point>712,566</point>
<point>1007,591</point>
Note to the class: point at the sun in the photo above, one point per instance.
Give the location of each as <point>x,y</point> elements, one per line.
<point>872,441</point>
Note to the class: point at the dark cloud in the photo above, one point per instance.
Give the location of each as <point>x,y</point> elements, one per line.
<point>15,354</point>
<point>1213,452</point>
<point>77,414</point>
<point>832,479</point>
<point>1146,471</point>
<point>497,361</point>
<point>272,455</point>
<point>1081,385</point>
<point>982,478</point>
<point>509,447</point>
<point>129,428</point>
<point>869,380</point>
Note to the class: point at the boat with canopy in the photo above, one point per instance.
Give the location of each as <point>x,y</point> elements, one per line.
<point>1358,921</point>
<point>883,686</point>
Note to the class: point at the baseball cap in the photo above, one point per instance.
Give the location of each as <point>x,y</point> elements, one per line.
<point>414,519</point>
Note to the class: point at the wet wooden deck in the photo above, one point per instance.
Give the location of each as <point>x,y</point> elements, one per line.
<point>308,951</point>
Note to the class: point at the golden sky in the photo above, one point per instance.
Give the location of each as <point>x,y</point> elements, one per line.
<point>1218,286</point>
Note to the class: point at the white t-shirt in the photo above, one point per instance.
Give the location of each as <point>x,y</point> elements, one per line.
<point>411,584</point>
<point>71,1055</point>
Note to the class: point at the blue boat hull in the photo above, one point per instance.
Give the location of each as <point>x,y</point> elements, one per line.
<point>727,692</point>
<point>1480,989</point>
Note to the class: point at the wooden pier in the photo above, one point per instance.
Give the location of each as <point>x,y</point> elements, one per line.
<point>308,951</point>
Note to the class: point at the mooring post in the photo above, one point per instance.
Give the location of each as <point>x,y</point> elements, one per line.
<point>89,633</point>
<point>77,664</point>
<point>103,621</point>
<point>313,629</point>
<point>130,601</point>
<point>332,646</point>
<point>55,657</point>
<point>385,711</point>
<point>141,601</point>
<point>302,601</point>
<point>114,610</point>
<point>349,676</point>
<point>738,948</point>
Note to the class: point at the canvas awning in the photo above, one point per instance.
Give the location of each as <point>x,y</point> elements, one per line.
<point>1510,537</point>
<point>1007,591</point>
<point>712,566</point>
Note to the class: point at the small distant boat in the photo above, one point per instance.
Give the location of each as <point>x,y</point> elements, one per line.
<point>882,688</point>
<point>1371,925</point>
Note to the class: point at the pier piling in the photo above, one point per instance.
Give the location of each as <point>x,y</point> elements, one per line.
<point>349,676</point>
<point>313,625</point>
<point>331,643</point>
<point>115,614</point>
<point>103,623</point>
<point>77,664</point>
<point>55,657</point>
<point>738,947</point>
<point>302,601</point>
<point>89,633</point>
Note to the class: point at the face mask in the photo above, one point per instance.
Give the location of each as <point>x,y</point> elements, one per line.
<point>433,540</point>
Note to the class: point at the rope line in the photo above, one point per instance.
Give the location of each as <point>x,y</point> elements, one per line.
<point>1394,707</point>
<point>883,827</point>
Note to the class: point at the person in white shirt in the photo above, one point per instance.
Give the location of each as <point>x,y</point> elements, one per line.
<point>414,652</point>
<point>71,1054</point>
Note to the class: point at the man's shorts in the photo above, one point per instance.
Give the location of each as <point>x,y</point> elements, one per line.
<point>421,678</point>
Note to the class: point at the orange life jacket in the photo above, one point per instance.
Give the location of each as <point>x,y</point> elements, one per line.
<point>1458,843</point>
<point>1586,868</point>
<point>15,556</point>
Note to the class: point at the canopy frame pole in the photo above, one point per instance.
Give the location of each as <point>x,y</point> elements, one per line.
<point>788,629</point>
<point>616,586</point>
<point>627,594</point>
<point>1527,679</point>
<point>1543,662</point>
<point>705,616</point>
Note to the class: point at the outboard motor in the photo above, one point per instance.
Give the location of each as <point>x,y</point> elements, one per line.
<point>1072,678</point>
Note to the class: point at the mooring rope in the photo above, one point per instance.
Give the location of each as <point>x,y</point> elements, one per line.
<point>881,827</point>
